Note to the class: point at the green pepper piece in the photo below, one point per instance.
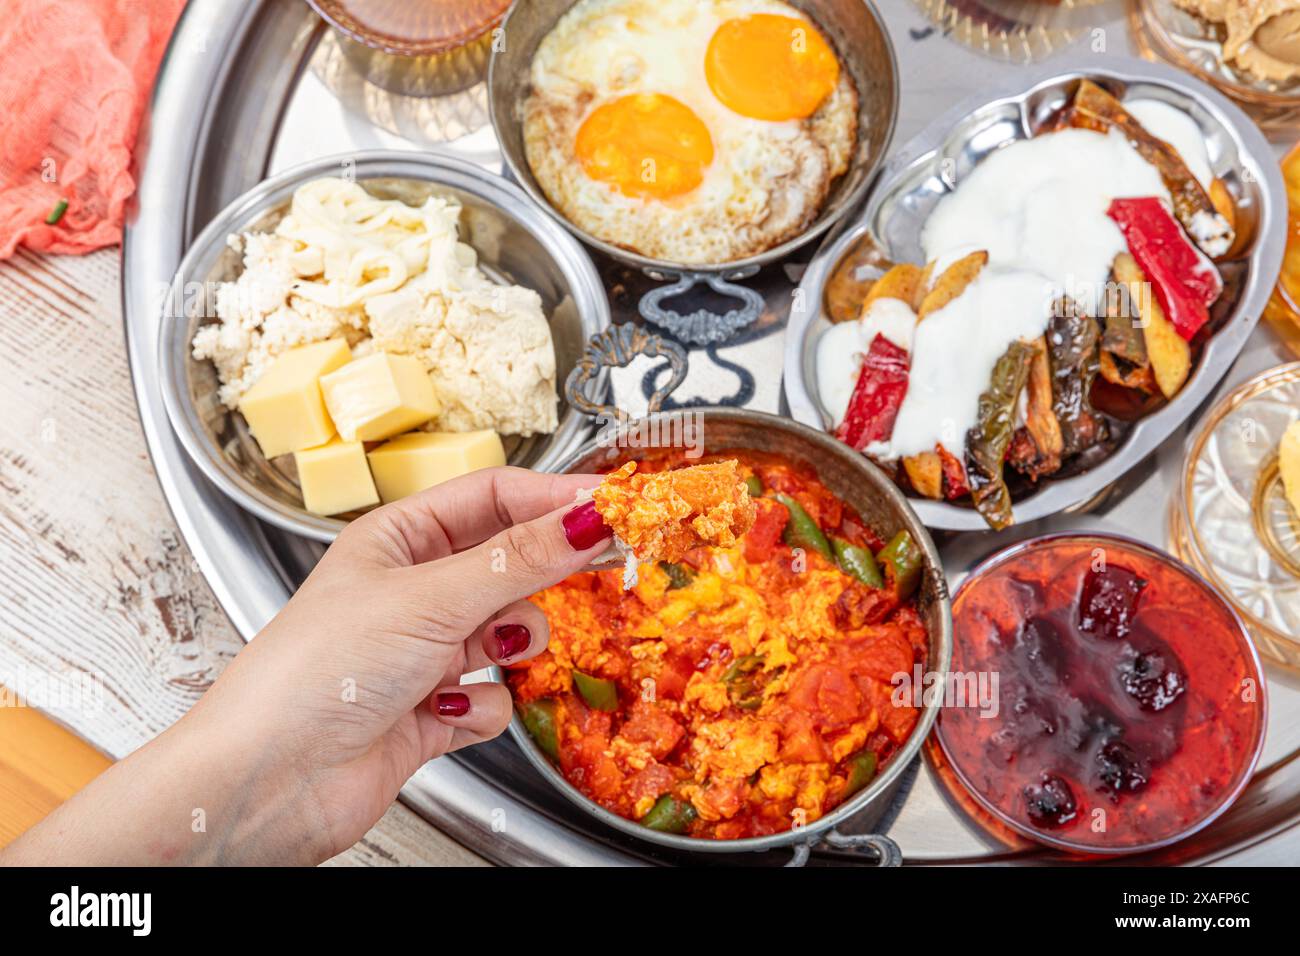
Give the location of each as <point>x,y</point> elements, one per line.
<point>857,562</point>
<point>755,486</point>
<point>742,688</point>
<point>56,213</point>
<point>669,815</point>
<point>904,561</point>
<point>862,770</point>
<point>986,443</point>
<point>802,531</point>
<point>679,575</point>
<point>742,665</point>
<point>539,721</point>
<point>600,694</point>
<point>1074,353</point>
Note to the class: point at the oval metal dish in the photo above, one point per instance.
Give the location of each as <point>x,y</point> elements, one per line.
<point>920,175</point>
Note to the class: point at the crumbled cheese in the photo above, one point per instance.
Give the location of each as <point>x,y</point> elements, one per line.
<point>394,278</point>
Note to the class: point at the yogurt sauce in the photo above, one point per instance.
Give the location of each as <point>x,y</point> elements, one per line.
<point>955,351</point>
<point>1039,205</point>
<point>1179,130</point>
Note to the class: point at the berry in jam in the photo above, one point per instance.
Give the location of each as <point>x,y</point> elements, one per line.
<point>1120,721</point>
<point>1121,769</point>
<point>1050,801</point>
<point>1108,602</point>
<point>1154,678</point>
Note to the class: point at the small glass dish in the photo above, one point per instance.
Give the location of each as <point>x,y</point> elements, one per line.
<point>1230,519</point>
<point>416,47</point>
<point>1165,31</point>
<point>1120,704</point>
<point>1283,309</point>
<point>1017,31</point>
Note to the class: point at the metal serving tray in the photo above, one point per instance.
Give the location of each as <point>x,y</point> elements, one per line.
<point>241,96</point>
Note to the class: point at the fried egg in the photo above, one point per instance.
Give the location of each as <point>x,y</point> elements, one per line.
<point>695,131</point>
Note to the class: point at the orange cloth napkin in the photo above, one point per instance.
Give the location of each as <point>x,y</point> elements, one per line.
<point>74,82</point>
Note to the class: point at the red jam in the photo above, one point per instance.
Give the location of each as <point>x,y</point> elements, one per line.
<point>1130,704</point>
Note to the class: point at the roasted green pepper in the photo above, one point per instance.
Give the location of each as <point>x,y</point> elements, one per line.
<point>857,562</point>
<point>599,694</point>
<point>741,679</point>
<point>755,486</point>
<point>986,443</point>
<point>539,721</point>
<point>862,770</point>
<point>903,562</point>
<point>679,575</point>
<point>669,815</point>
<point>801,531</point>
<point>1074,353</point>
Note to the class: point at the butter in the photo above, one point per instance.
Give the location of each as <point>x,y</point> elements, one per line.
<point>284,409</point>
<point>335,478</point>
<point>1289,465</point>
<point>421,460</point>
<point>379,396</point>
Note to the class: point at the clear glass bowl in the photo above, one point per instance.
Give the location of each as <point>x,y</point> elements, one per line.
<point>1230,519</point>
<point>1076,707</point>
<point>416,47</point>
<point>1166,32</point>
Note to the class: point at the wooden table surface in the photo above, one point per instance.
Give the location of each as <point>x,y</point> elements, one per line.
<point>97,581</point>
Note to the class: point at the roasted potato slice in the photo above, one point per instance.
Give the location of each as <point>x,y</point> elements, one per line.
<point>925,472</point>
<point>952,283</point>
<point>901,282</point>
<point>1168,352</point>
<point>1040,419</point>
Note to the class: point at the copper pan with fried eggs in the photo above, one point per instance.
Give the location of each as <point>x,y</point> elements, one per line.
<point>659,132</point>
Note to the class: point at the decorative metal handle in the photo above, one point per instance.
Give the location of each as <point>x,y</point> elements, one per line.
<point>875,847</point>
<point>616,347</point>
<point>702,327</point>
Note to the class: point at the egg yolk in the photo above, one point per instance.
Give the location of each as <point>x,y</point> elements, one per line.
<point>646,145</point>
<point>770,67</point>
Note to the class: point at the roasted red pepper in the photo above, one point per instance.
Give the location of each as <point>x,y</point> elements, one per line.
<point>876,398</point>
<point>1185,282</point>
<point>954,475</point>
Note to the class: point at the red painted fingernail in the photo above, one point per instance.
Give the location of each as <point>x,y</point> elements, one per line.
<point>453,705</point>
<point>584,527</point>
<point>512,640</point>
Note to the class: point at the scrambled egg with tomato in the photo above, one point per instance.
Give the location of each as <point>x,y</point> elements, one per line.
<point>735,692</point>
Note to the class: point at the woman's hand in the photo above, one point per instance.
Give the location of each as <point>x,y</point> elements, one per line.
<point>302,744</point>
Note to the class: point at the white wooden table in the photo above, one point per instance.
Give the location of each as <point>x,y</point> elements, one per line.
<point>94,577</point>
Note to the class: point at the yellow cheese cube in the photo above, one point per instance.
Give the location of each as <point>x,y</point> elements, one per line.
<point>379,396</point>
<point>284,408</point>
<point>335,478</point>
<point>1289,465</point>
<point>421,460</point>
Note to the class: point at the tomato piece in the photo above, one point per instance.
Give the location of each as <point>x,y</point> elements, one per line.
<point>800,742</point>
<point>648,724</point>
<point>827,695</point>
<point>652,781</point>
<point>769,524</point>
<point>859,606</point>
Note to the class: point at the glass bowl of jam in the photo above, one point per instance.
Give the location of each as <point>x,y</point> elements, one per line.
<point>1127,705</point>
